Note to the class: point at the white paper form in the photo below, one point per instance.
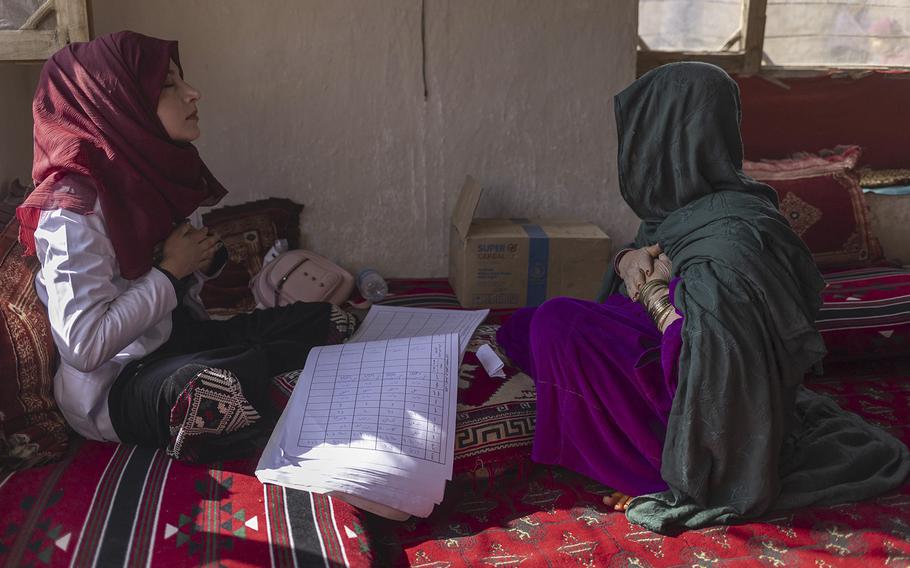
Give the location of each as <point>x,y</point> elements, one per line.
<point>391,322</point>
<point>390,396</point>
<point>372,419</point>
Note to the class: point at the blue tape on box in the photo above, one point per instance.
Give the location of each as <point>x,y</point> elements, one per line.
<point>538,261</point>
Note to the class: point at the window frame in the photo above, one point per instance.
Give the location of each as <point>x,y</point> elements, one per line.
<point>31,44</point>
<point>747,60</point>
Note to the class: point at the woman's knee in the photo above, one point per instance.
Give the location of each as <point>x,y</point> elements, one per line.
<point>554,319</point>
<point>174,384</point>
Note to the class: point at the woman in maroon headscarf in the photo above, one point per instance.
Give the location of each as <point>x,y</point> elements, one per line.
<point>121,266</point>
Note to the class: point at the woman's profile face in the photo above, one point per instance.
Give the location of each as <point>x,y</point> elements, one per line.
<point>177,107</point>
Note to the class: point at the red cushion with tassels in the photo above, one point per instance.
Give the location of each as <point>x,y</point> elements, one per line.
<point>32,429</point>
<point>821,198</point>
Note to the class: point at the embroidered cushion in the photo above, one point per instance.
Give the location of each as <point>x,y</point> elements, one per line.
<point>821,197</point>
<point>248,231</point>
<point>32,429</point>
<point>866,314</point>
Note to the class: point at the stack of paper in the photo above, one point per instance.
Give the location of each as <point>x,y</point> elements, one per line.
<point>387,322</point>
<point>373,422</point>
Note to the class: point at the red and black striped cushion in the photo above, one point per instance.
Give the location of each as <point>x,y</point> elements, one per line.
<point>866,313</point>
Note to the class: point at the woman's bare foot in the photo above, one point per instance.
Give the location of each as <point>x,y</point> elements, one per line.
<point>619,501</point>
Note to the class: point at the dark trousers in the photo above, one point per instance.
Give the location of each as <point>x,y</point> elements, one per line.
<point>254,347</point>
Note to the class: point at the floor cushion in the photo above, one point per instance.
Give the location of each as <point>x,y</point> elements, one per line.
<point>32,429</point>
<point>821,198</point>
<point>866,314</point>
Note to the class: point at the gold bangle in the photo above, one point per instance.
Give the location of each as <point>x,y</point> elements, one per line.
<point>649,289</point>
<point>651,284</point>
<point>657,307</point>
<point>653,294</point>
<point>664,316</point>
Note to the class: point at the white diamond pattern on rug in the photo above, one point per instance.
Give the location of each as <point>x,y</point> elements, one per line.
<point>799,214</point>
<point>169,530</point>
<point>63,542</point>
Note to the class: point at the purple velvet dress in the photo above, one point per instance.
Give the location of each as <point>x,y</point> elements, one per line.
<point>605,380</point>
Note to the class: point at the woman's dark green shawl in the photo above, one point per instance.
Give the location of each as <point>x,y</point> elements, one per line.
<point>743,436</point>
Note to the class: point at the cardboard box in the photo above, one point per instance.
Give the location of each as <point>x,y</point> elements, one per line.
<point>508,263</point>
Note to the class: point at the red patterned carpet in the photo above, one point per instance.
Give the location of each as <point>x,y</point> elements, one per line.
<point>115,505</point>
<point>551,517</point>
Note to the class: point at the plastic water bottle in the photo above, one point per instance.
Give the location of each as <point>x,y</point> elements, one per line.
<point>371,285</point>
<point>280,246</point>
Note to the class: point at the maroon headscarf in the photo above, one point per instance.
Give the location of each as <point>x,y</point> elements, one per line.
<point>96,115</point>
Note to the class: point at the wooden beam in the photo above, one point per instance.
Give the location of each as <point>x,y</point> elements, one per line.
<point>753,40</point>
<point>734,39</point>
<point>72,21</point>
<point>91,19</point>
<point>730,61</point>
<point>852,71</point>
<point>642,45</point>
<point>29,45</point>
<point>38,16</point>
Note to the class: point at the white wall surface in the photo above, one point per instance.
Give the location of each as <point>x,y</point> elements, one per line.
<point>322,101</point>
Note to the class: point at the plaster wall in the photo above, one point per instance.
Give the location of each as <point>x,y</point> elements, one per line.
<point>322,101</point>
<point>17,87</point>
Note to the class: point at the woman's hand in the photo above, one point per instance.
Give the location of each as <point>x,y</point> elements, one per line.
<point>662,269</point>
<point>187,249</point>
<point>636,267</point>
<point>206,267</point>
